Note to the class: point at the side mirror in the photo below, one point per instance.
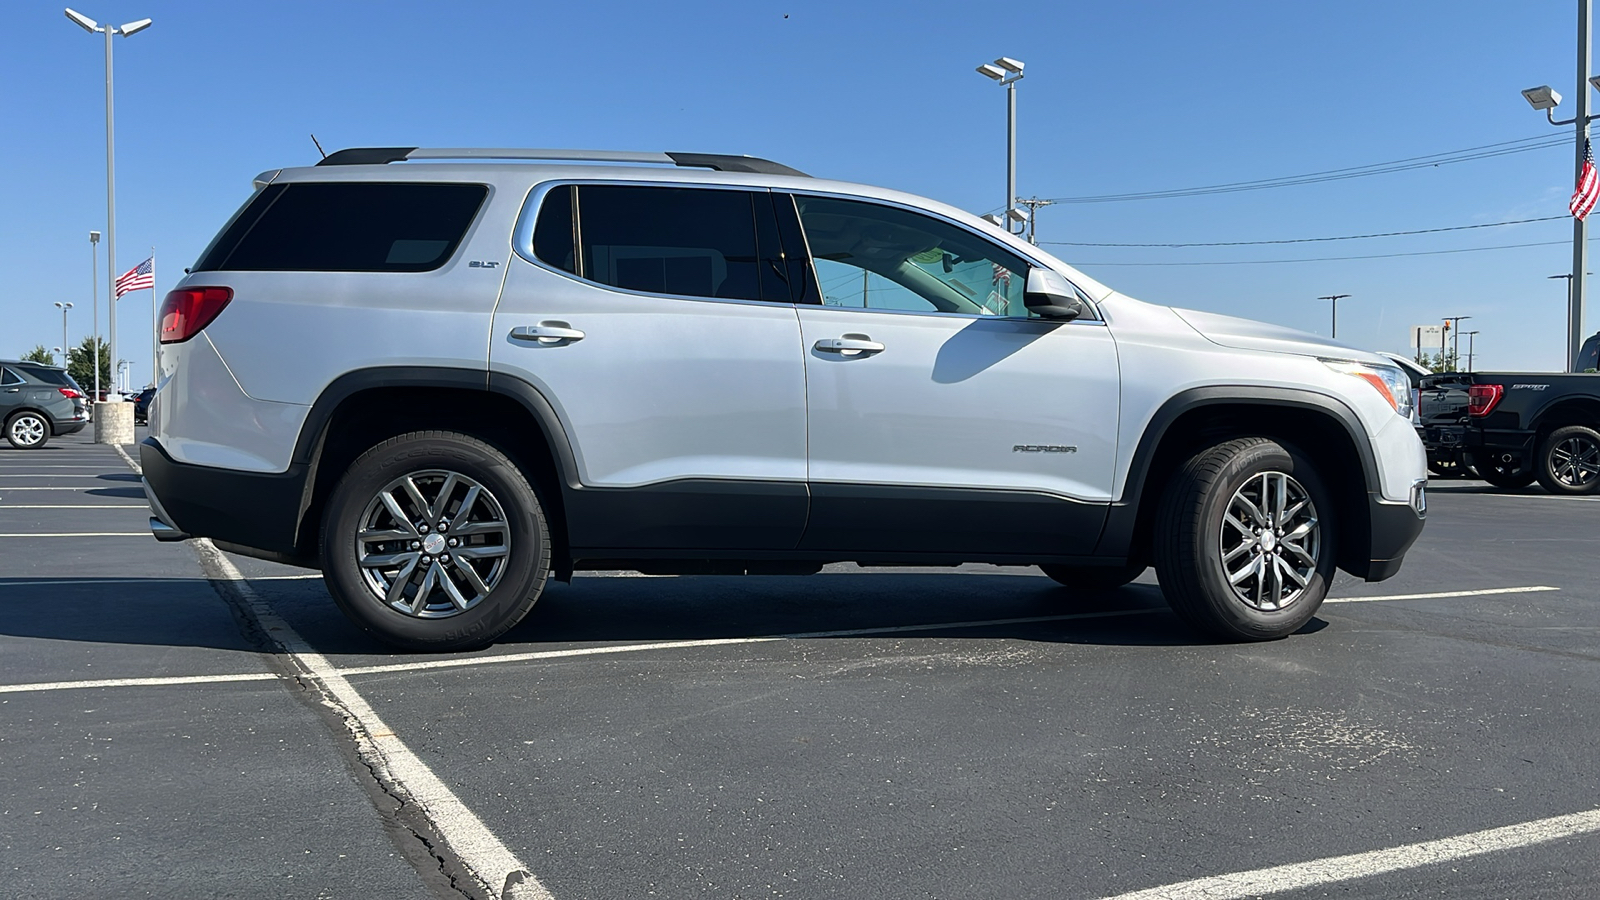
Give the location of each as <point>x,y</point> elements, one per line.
<point>1050,296</point>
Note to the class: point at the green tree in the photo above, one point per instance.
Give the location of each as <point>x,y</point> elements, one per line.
<point>40,355</point>
<point>80,364</point>
<point>1443,361</point>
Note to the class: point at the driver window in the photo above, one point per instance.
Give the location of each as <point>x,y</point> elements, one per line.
<point>881,257</point>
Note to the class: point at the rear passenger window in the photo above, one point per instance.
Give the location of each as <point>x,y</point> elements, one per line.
<point>9,377</point>
<point>689,241</point>
<point>347,227</point>
<point>553,233</point>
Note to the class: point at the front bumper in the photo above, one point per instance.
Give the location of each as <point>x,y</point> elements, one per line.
<point>1395,527</point>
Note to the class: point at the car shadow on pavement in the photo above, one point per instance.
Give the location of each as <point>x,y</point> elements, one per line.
<point>183,612</point>
<point>875,605</point>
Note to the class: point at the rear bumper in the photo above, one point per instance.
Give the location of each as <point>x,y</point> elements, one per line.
<point>256,510</point>
<point>70,426</point>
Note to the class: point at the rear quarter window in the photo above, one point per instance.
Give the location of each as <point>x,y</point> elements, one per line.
<point>347,227</point>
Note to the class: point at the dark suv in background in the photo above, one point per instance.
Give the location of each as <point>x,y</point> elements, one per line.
<point>38,402</point>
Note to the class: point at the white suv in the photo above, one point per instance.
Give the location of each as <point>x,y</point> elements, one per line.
<point>445,376</point>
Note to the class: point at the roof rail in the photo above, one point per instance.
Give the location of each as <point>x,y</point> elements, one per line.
<point>364,156</point>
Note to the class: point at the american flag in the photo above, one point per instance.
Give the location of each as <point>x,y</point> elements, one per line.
<point>1588,186</point>
<point>143,276</point>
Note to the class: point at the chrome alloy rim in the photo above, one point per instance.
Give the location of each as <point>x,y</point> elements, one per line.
<point>1270,541</point>
<point>433,544</point>
<point>27,430</point>
<point>1575,462</point>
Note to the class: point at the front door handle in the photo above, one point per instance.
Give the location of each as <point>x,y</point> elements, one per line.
<point>849,345</point>
<point>547,333</point>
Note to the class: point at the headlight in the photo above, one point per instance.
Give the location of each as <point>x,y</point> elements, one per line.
<point>1386,380</point>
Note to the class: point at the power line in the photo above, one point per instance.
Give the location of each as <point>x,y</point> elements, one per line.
<point>1346,237</point>
<point>1264,262</point>
<point>1485,151</point>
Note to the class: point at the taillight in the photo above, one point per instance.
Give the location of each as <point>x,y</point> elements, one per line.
<point>69,393</point>
<point>1482,398</point>
<point>188,310</point>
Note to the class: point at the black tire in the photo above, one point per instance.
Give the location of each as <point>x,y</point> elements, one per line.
<point>28,430</point>
<point>1508,476</point>
<point>1190,535</point>
<point>1093,578</point>
<point>1569,461</point>
<point>438,621</point>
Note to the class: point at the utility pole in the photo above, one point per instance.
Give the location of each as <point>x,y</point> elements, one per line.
<point>1335,298</point>
<point>1034,205</point>
<point>1470,336</point>
<point>1452,328</point>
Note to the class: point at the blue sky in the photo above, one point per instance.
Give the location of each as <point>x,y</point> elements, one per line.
<point>1119,97</point>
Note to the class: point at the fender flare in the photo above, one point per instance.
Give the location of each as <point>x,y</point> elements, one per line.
<point>1117,537</point>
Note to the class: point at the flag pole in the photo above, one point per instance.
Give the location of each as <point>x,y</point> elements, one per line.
<point>155,321</point>
<point>1580,228</point>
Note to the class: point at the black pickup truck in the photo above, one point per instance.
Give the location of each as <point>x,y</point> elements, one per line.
<point>1518,427</point>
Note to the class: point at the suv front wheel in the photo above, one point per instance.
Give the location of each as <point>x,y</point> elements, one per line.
<point>1245,540</point>
<point>435,541</point>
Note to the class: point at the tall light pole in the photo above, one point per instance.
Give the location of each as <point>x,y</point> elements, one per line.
<point>63,307</point>
<point>128,30</point>
<point>1470,336</point>
<point>1335,298</point>
<point>94,291</point>
<point>1543,98</point>
<point>1007,71</point>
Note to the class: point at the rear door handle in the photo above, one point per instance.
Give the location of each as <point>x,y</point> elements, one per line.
<point>849,345</point>
<point>547,333</point>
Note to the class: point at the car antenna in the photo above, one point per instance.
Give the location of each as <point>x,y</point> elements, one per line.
<point>319,146</point>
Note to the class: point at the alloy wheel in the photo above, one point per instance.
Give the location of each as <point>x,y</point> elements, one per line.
<point>27,430</point>
<point>432,544</point>
<point>1270,541</point>
<point>1575,462</point>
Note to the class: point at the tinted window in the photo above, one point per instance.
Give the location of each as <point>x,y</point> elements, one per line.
<point>687,241</point>
<point>52,376</point>
<point>348,227</point>
<point>883,257</point>
<point>553,232</point>
<point>1589,355</point>
<point>9,377</point>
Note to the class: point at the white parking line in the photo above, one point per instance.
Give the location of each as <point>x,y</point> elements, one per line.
<point>96,582</point>
<point>47,487</point>
<point>133,682</point>
<point>497,870</point>
<point>143,506</point>
<point>1486,592</point>
<point>1298,876</point>
<point>76,534</point>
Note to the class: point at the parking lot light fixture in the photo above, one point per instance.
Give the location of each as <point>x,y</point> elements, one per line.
<point>1335,298</point>
<point>94,293</point>
<point>1007,72</point>
<point>63,307</point>
<point>131,28</point>
<point>1543,97</point>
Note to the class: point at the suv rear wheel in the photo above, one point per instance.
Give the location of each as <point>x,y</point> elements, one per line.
<point>1569,460</point>
<point>435,541</point>
<point>1245,542</point>
<point>27,431</point>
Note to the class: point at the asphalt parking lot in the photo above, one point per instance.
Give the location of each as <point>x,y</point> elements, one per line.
<point>176,722</point>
